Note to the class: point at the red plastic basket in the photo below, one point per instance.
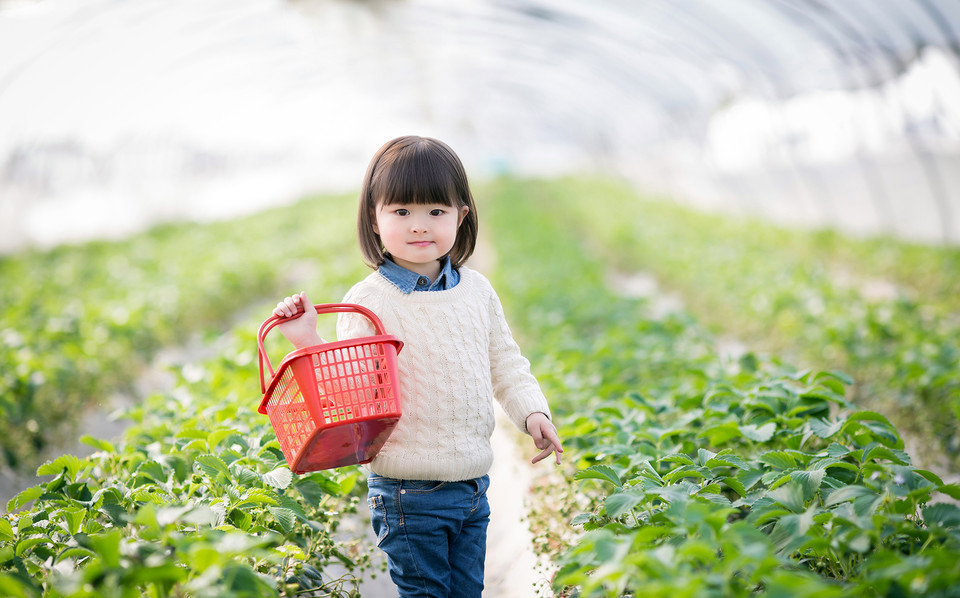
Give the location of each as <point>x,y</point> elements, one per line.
<point>333,404</point>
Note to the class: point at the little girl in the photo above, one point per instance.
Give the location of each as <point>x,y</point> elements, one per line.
<point>417,224</point>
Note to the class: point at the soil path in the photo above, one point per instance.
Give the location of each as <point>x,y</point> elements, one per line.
<point>513,569</point>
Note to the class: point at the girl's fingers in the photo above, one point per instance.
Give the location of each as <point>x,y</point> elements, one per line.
<point>543,454</point>
<point>289,306</point>
<point>548,436</point>
<point>554,439</point>
<point>537,435</point>
<point>546,453</point>
<point>545,437</point>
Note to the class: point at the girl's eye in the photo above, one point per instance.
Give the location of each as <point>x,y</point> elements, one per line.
<point>436,212</point>
<point>402,212</point>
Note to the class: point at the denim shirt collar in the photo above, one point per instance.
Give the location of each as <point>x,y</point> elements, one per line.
<point>408,281</point>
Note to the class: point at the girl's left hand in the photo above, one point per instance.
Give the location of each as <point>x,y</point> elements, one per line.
<point>545,436</point>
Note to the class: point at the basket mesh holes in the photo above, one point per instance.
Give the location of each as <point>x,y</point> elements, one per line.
<point>294,424</point>
<point>289,390</point>
<point>349,383</point>
<point>318,374</point>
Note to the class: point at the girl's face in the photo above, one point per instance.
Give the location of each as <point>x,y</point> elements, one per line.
<point>417,235</point>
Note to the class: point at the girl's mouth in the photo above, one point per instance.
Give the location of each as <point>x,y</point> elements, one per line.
<point>421,243</point>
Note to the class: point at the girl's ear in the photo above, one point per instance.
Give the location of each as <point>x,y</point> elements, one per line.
<point>464,210</point>
<point>373,221</point>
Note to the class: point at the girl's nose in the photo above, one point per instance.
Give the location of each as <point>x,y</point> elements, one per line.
<point>418,226</point>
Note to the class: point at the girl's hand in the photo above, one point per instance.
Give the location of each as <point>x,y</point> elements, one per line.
<point>545,436</point>
<point>302,332</point>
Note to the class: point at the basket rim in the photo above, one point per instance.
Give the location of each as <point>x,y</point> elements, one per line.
<point>323,347</point>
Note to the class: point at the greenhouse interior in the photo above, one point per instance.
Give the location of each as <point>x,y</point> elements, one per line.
<point>724,236</point>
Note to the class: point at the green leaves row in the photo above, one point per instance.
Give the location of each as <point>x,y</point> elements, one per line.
<point>195,499</point>
<point>78,322</point>
<point>885,310</point>
<point>199,504</point>
<point>701,476</point>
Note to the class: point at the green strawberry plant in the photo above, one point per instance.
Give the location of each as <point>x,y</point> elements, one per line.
<point>697,476</point>
<point>195,500</point>
<point>79,322</point>
<point>686,474</point>
<point>884,310</point>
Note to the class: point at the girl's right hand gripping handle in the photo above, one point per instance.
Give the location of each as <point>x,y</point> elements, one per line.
<point>323,308</point>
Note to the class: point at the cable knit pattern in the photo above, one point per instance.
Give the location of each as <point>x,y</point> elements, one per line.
<point>458,355</point>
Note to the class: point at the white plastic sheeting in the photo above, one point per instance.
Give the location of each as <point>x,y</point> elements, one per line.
<point>115,114</point>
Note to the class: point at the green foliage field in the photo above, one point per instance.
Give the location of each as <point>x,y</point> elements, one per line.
<point>685,474</point>
<point>884,311</point>
<point>698,477</point>
<point>79,322</point>
<point>195,499</point>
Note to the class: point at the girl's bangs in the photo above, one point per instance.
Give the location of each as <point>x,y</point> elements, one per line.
<point>417,178</point>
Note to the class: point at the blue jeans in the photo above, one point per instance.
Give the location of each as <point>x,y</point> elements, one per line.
<point>434,534</point>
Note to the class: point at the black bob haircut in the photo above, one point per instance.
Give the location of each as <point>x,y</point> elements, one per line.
<point>415,170</point>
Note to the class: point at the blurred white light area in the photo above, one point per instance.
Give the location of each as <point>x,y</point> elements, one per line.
<point>122,114</point>
<point>117,114</point>
<point>930,92</point>
<point>154,68</point>
<point>824,127</point>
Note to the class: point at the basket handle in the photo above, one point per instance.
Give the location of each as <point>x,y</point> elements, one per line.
<point>323,308</point>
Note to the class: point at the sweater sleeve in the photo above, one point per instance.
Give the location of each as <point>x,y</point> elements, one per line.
<point>514,386</point>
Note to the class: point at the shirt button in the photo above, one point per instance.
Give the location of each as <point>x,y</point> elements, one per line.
<point>403,492</point>
<point>422,281</point>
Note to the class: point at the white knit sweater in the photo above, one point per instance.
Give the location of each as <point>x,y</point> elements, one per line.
<point>458,354</point>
